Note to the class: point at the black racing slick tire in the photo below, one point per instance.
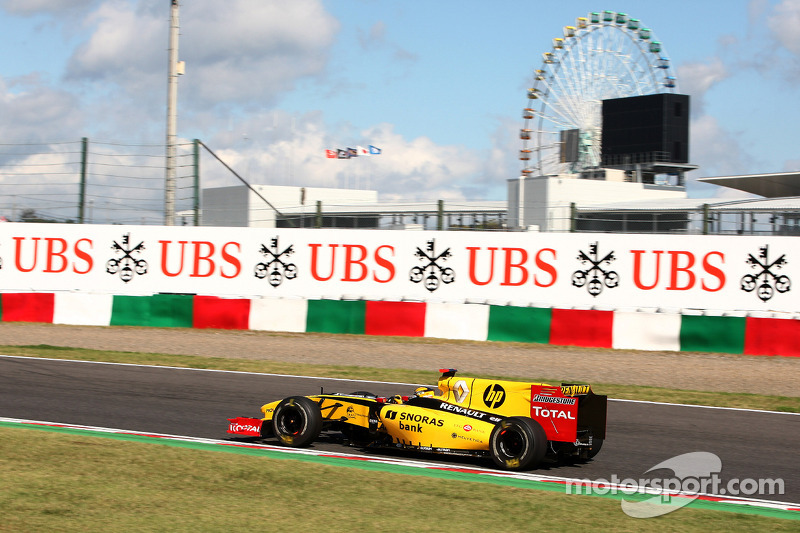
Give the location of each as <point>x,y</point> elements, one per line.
<point>595,448</point>
<point>517,443</point>
<point>297,421</point>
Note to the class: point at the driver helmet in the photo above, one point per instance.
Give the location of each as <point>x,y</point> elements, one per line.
<point>425,392</point>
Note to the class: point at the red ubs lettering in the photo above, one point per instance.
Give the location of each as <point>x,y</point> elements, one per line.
<point>682,273</point>
<point>202,259</point>
<point>515,270</point>
<point>58,255</point>
<point>354,263</point>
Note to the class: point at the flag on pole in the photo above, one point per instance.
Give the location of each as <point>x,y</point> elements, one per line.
<point>348,153</point>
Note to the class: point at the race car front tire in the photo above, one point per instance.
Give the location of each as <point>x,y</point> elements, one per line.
<point>517,443</point>
<point>297,421</point>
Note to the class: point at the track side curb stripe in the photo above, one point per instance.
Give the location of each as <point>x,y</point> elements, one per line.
<point>770,509</point>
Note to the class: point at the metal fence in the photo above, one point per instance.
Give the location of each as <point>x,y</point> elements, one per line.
<point>115,183</point>
<point>705,220</point>
<point>92,182</point>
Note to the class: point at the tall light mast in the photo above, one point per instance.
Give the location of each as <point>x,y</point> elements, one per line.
<point>172,116</point>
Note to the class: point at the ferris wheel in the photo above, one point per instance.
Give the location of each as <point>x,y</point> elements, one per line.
<point>605,55</point>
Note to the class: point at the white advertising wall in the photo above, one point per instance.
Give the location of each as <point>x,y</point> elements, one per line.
<point>566,270</point>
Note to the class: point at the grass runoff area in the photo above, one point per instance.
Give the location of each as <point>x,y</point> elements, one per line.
<point>68,482</point>
<point>62,482</point>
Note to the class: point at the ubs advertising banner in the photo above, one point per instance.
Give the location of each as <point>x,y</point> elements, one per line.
<point>589,269</point>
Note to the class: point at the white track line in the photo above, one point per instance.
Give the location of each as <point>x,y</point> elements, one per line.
<point>370,381</point>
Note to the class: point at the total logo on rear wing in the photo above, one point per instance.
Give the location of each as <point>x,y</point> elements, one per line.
<point>556,412</point>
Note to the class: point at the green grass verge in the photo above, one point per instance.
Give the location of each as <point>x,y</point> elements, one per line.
<point>58,482</point>
<point>628,392</point>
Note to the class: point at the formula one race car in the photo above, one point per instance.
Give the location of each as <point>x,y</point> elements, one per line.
<point>515,423</point>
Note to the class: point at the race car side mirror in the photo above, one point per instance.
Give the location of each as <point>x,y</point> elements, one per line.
<point>447,372</point>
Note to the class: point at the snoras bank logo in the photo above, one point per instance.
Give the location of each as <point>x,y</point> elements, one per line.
<point>693,474</point>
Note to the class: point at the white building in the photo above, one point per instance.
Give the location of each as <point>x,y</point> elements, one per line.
<point>545,203</point>
<point>272,206</point>
<point>261,206</point>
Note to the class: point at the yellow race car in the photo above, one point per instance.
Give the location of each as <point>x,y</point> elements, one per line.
<point>517,424</point>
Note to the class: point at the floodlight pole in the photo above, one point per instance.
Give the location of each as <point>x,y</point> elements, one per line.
<point>172,117</point>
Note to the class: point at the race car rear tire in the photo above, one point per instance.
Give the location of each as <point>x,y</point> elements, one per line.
<point>297,421</point>
<point>517,443</point>
<point>595,448</point>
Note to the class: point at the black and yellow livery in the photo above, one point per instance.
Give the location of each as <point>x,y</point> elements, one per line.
<point>515,423</point>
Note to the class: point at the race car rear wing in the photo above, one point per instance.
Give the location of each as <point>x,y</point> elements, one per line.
<point>564,411</point>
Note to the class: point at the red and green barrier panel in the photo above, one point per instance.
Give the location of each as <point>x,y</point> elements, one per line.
<point>571,327</point>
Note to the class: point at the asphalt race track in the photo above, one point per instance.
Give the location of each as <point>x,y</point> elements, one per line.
<point>196,403</point>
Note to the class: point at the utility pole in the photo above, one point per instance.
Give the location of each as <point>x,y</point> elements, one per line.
<point>82,198</point>
<point>175,69</point>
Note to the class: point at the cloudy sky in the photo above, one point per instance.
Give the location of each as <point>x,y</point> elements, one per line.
<point>438,86</point>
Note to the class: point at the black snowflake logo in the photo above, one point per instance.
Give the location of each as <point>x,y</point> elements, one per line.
<point>435,272</point>
<point>276,265</point>
<point>766,278</point>
<point>126,265</point>
<point>599,276</point>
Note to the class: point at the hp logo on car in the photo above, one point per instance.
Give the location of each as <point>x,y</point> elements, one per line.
<point>494,396</point>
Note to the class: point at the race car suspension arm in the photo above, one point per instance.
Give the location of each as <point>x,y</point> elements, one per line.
<point>333,409</point>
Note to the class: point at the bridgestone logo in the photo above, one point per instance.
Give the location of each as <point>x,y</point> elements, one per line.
<point>550,399</point>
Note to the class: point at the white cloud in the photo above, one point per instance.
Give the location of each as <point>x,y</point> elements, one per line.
<point>124,45</point>
<point>718,153</point>
<point>375,38</point>
<point>783,23</point>
<point>34,112</point>
<point>242,56</point>
<point>418,169</point>
<point>31,7</point>
<point>236,52</point>
<point>280,149</point>
<point>698,78</point>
